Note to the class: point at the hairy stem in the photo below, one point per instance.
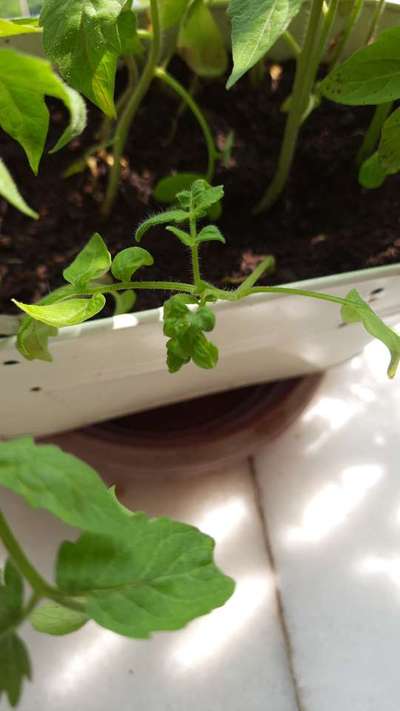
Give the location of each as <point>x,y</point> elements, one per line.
<point>372,136</point>
<point>345,34</point>
<point>299,100</point>
<point>132,105</point>
<point>194,248</point>
<point>160,73</point>
<point>125,285</point>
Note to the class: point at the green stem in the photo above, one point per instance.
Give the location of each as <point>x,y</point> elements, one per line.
<point>125,285</point>
<point>128,114</point>
<point>351,21</point>
<point>160,73</point>
<point>299,292</point>
<point>194,248</point>
<point>39,585</point>
<point>299,100</point>
<point>376,18</point>
<point>292,43</point>
<point>372,136</point>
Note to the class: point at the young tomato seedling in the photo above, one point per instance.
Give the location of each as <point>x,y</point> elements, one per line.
<point>188,316</point>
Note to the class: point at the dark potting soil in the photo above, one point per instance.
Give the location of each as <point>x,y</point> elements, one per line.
<point>323,224</point>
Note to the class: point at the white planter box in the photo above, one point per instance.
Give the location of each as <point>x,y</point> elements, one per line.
<point>114,366</point>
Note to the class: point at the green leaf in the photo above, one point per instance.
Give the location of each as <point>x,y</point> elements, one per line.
<point>183,237</point>
<point>200,197</point>
<point>128,261</point>
<point>11,598</point>
<point>161,219</point>
<point>167,188</point>
<point>360,311</point>
<point>33,339</point>
<point>48,478</point>
<point>369,76</point>
<point>372,173</point>
<point>389,144</point>
<point>200,42</point>
<point>85,38</point>
<point>210,233</point>
<point>124,301</point>
<point>14,667</point>
<point>184,328</point>
<point>91,263</point>
<point>159,577</point>
<point>10,192</point>
<point>65,313</point>
<point>24,83</point>
<point>256,26</point>
<point>10,28</point>
<point>52,618</point>
<point>171,12</point>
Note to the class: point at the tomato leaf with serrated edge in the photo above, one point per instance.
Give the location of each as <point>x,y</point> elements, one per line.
<point>360,311</point>
<point>184,328</point>
<point>159,577</point>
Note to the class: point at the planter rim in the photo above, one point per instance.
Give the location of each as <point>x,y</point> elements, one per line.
<point>152,316</point>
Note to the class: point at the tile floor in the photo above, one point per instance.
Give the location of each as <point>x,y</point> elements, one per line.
<point>310,530</point>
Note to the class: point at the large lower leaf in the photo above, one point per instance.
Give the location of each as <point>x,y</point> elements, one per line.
<point>64,313</point>
<point>370,76</point>
<point>159,577</point>
<point>85,38</point>
<point>10,192</point>
<point>256,25</point>
<point>389,145</point>
<point>171,12</point>
<point>11,28</point>
<point>25,81</point>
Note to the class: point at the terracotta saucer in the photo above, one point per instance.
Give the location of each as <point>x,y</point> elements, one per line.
<point>194,436</point>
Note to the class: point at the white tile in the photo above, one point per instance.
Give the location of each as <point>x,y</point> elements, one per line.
<point>234,658</point>
<point>330,490</point>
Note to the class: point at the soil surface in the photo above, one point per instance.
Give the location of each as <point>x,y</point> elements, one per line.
<point>325,222</point>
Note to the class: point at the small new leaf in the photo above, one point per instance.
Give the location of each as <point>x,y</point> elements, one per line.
<point>14,667</point>
<point>128,261</point>
<point>183,237</point>
<point>210,233</point>
<point>200,197</point>
<point>91,263</point>
<point>184,328</point>
<point>52,618</point>
<point>124,301</point>
<point>159,576</point>
<point>161,219</point>
<point>360,311</point>
<point>65,313</point>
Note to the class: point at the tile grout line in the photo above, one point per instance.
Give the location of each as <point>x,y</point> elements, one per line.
<point>278,595</point>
